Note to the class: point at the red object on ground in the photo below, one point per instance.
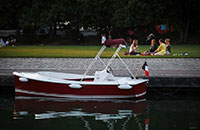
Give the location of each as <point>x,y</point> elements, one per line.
<point>114,42</point>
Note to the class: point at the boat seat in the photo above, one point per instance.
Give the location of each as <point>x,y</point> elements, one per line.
<point>103,76</point>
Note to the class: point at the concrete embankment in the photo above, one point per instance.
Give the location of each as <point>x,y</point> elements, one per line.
<point>164,72</point>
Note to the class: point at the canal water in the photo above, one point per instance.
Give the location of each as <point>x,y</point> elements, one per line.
<point>149,113</point>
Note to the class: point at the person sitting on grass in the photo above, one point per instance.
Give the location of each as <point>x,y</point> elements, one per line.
<point>168,46</point>
<point>161,49</point>
<point>133,47</point>
<point>152,48</point>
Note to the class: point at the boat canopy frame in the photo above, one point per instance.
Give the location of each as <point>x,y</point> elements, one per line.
<point>116,54</point>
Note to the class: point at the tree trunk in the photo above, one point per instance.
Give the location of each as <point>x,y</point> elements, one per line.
<point>51,31</point>
<point>181,35</point>
<point>186,30</point>
<point>183,31</point>
<point>55,29</point>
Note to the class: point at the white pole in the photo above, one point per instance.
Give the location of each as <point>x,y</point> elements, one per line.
<point>114,55</point>
<point>125,66</point>
<point>94,60</point>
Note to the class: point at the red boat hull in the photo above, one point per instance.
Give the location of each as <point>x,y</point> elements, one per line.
<point>50,89</point>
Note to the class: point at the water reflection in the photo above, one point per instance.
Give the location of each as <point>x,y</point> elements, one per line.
<point>112,114</point>
<point>155,113</point>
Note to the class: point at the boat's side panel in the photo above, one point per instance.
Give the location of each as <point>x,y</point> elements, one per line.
<point>33,87</point>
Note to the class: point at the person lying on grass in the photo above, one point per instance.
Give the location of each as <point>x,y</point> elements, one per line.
<point>161,49</point>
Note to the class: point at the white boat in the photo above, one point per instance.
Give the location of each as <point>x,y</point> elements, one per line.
<point>103,84</point>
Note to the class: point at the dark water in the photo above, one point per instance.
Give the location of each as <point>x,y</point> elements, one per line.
<point>150,113</point>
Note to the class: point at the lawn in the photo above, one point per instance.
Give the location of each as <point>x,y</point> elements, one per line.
<point>90,51</point>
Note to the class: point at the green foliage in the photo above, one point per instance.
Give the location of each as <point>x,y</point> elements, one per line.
<point>88,13</point>
<point>121,15</point>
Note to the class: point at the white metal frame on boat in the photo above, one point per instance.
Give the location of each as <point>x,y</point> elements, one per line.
<point>110,61</point>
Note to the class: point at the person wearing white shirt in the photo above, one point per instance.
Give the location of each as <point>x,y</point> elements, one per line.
<point>103,38</point>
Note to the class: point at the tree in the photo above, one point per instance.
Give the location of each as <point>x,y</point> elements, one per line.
<point>188,11</point>
<point>10,12</point>
<point>100,14</point>
<point>182,15</point>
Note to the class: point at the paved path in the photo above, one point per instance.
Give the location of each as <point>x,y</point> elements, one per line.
<point>158,67</point>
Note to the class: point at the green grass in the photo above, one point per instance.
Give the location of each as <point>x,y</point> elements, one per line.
<point>89,51</point>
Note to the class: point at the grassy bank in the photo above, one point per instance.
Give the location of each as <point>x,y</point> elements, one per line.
<point>90,51</point>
